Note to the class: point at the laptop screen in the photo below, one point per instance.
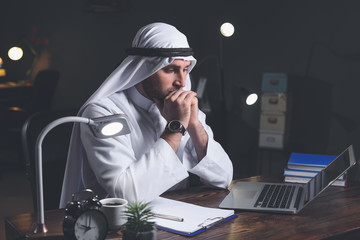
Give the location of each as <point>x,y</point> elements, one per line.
<point>329,174</point>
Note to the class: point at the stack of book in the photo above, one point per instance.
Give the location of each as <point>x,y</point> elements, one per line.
<point>302,167</point>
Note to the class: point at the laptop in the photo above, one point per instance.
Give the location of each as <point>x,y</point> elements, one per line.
<point>289,198</point>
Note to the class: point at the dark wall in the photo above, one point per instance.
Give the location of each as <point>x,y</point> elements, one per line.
<point>271,36</point>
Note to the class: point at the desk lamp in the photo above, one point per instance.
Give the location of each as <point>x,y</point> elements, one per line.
<point>102,127</point>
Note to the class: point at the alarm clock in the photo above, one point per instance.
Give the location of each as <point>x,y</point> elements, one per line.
<point>83,219</point>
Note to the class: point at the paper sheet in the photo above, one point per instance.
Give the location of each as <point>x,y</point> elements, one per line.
<point>195,217</point>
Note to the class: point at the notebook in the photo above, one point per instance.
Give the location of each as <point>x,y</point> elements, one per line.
<point>288,198</point>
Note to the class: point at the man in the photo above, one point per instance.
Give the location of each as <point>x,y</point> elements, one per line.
<point>169,137</point>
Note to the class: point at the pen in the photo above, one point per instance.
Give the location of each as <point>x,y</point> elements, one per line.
<point>221,220</point>
<point>168,217</point>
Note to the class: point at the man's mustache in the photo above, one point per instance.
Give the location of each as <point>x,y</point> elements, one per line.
<point>173,90</point>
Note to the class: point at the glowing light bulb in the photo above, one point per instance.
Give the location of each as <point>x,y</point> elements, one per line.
<point>15,53</point>
<point>227,29</point>
<point>251,99</point>
<point>112,128</point>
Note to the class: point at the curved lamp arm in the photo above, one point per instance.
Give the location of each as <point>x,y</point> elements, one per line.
<point>95,124</point>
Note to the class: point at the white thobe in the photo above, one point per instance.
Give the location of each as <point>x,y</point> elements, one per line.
<point>141,166</point>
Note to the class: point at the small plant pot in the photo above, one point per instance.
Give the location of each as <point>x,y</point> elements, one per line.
<point>130,235</point>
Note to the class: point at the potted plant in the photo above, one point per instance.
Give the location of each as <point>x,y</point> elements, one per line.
<point>138,225</point>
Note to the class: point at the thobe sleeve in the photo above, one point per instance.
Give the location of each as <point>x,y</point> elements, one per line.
<point>120,174</point>
<point>215,168</point>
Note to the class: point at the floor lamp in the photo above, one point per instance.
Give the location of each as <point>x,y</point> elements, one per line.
<point>102,127</point>
<point>226,30</point>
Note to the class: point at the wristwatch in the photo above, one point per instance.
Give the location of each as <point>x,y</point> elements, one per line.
<point>176,126</point>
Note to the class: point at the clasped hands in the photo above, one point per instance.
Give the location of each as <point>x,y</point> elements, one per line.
<point>180,105</point>
<point>183,106</point>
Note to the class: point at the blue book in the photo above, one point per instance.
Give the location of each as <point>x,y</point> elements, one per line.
<point>311,162</point>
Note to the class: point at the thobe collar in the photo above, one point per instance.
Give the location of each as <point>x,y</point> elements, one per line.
<point>139,100</point>
<point>146,104</point>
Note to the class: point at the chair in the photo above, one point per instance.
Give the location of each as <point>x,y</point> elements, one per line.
<point>12,117</point>
<point>44,89</point>
<point>54,152</point>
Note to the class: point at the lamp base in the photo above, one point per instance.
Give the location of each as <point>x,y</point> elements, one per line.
<point>39,228</point>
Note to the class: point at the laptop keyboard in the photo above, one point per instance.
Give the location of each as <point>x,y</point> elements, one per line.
<point>275,196</point>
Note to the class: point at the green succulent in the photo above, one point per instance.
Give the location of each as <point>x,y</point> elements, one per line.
<point>138,218</point>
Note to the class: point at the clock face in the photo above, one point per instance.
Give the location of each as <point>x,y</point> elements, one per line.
<point>91,225</point>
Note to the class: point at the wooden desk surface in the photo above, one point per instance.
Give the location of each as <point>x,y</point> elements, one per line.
<point>333,215</point>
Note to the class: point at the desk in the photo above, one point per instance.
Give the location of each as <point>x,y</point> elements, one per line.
<point>333,215</point>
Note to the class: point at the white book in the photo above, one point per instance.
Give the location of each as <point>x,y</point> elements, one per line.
<point>295,179</point>
<point>303,173</point>
<point>304,167</point>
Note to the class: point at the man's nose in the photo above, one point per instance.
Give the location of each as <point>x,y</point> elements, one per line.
<point>181,81</point>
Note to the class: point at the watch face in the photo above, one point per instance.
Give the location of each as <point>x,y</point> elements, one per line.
<point>91,225</point>
<point>175,125</point>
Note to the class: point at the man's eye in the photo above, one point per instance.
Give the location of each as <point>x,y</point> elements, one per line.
<point>168,70</point>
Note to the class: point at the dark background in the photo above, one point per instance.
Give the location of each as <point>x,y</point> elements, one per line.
<point>308,40</point>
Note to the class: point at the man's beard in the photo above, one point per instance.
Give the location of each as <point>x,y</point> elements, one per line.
<point>154,91</point>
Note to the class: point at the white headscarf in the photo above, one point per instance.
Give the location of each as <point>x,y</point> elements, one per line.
<point>131,71</point>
